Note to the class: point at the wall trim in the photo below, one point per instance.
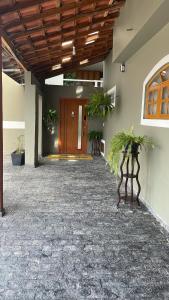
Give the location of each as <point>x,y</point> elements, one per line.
<point>13,125</point>
<point>153,122</point>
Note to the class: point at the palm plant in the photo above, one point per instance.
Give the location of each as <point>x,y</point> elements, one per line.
<point>100,105</point>
<point>128,142</point>
<point>95,135</point>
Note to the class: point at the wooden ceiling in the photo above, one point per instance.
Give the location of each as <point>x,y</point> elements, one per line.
<point>11,65</point>
<point>36,30</point>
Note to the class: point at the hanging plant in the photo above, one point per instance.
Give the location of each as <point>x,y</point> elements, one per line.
<point>100,105</point>
<point>128,142</point>
<point>50,119</point>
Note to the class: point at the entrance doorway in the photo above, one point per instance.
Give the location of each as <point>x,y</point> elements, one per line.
<point>73,133</point>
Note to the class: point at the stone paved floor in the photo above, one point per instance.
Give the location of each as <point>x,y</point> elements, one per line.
<point>63,238</point>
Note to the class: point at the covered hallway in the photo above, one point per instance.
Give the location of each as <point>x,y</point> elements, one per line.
<point>82,78</point>
<point>63,237</point>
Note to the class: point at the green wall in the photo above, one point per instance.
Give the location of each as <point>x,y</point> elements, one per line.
<point>154,174</point>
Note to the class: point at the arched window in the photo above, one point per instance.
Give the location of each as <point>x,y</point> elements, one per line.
<point>157,95</point>
<point>155,102</point>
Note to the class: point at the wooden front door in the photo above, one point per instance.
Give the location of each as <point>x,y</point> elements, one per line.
<point>73,126</point>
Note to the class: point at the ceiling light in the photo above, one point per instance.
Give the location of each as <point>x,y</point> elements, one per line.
<point>65,59</point>
<point>67,43</point>
<point>74,50</point>
<point>90,42</point>
<point>85,61</point>
<point>92,33</point>
<point>56,67</point>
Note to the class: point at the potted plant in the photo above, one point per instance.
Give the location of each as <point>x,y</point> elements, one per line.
<point>95,138</point>
<point>100,105</point>
<point>50,119</point>
<point>128,142</point>
<point>18,156</point>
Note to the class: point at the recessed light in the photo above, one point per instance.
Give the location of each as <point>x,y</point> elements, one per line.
<point>90,42</point>
<point>65,59</point>
<point>67,43</point>
<point>56,67</point>
<point>74,50</point>
<point>85,61</point>
<point>93,33</point>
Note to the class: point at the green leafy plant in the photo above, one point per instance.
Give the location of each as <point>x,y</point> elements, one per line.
<point>128,142</point>
<point>95,135</point>
<point>50,119</point>
<point>69,76</point>
<point>100,105</point>
<point>20,141</point>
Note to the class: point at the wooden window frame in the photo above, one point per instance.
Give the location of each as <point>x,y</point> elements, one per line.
<point>159,101</point>
<point>157,119</point>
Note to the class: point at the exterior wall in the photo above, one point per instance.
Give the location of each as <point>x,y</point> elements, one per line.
<point>13,110</point>
<point>133,15</point>
<point>154,175</point>
<point>52,96</point>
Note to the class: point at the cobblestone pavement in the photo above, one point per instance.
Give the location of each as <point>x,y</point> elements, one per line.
<point>63,237</point>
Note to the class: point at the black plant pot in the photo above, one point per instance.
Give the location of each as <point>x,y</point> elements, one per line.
<point>134,148</point>
<point>18,159</point>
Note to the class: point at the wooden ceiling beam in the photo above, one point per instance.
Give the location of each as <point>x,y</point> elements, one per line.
<point>51,44</point>
<point>47,66</point>
<point>61,23</point>
<point>62,51</point>
<point>103,30</point>
<point>15,52</point>
<point>72,67</point>
<point>19,6</point>
<point>39,56</point>
<point>49,13</point>
<point>56,55</point>
<point>56,34</point>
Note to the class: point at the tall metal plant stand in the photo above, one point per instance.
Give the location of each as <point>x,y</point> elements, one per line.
<point>129,174</point>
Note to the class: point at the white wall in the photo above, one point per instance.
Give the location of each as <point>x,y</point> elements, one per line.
<point>13,110</point>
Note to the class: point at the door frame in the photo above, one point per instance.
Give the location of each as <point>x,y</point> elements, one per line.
<point>59,127</point>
